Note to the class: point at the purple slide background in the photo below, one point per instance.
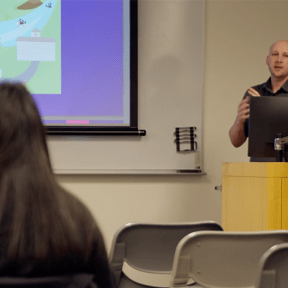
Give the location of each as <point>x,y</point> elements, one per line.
<point>92,65</point>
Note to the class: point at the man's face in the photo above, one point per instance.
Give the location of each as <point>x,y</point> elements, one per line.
<point>277,60</point>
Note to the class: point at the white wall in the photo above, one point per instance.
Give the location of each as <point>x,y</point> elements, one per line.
<point>238,37</point>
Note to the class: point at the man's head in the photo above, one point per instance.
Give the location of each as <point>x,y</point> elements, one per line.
<point>277,60</point>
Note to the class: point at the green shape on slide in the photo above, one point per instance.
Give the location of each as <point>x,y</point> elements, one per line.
<point>9,64</point>
<point>47,79</point>
<point>9,11</point>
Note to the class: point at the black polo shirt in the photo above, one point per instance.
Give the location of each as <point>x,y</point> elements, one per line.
<point>265,89</point>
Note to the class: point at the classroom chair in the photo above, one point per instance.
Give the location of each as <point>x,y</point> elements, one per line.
<point>149,248</point>
<point>273,268</point>
<point>222,259</point>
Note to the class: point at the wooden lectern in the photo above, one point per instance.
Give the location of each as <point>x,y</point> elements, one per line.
<point>254,196</point>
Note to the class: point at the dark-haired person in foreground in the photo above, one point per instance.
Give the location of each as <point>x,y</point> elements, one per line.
<point>44,230</point>
<point>276,85</point>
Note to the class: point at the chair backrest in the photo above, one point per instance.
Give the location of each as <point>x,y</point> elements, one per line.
<point>151,247</point>
<point>222,259</point>
<point>273,268</point>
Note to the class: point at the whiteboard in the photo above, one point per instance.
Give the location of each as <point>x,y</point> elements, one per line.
<point>170,94</point>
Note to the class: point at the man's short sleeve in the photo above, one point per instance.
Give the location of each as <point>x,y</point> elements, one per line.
<point>245,95</point>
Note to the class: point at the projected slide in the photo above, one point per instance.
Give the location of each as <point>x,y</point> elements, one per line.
<point>73,55</point>
<point>29,42</point>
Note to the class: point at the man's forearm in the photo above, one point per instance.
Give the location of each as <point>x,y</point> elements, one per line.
<point>237,134</point>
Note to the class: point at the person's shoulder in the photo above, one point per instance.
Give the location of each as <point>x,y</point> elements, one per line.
<point>76,207</point>
<point>68,280</point>
<point>258,88</point>
<point>69,197</point>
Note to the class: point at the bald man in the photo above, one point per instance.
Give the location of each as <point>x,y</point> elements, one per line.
<point>276,85</point>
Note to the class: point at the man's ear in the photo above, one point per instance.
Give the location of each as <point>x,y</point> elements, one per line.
<point>267,60</point>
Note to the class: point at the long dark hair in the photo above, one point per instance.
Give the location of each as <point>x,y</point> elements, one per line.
<point>40,223</point>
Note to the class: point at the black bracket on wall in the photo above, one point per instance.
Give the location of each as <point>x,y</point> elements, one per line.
<point>185,135</point>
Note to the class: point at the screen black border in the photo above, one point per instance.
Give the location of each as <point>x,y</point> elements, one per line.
<point>115,130</point>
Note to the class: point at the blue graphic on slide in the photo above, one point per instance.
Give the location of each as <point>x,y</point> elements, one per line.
<point>12,29</point>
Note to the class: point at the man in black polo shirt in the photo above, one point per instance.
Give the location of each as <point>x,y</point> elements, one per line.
<point>276,85</point>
